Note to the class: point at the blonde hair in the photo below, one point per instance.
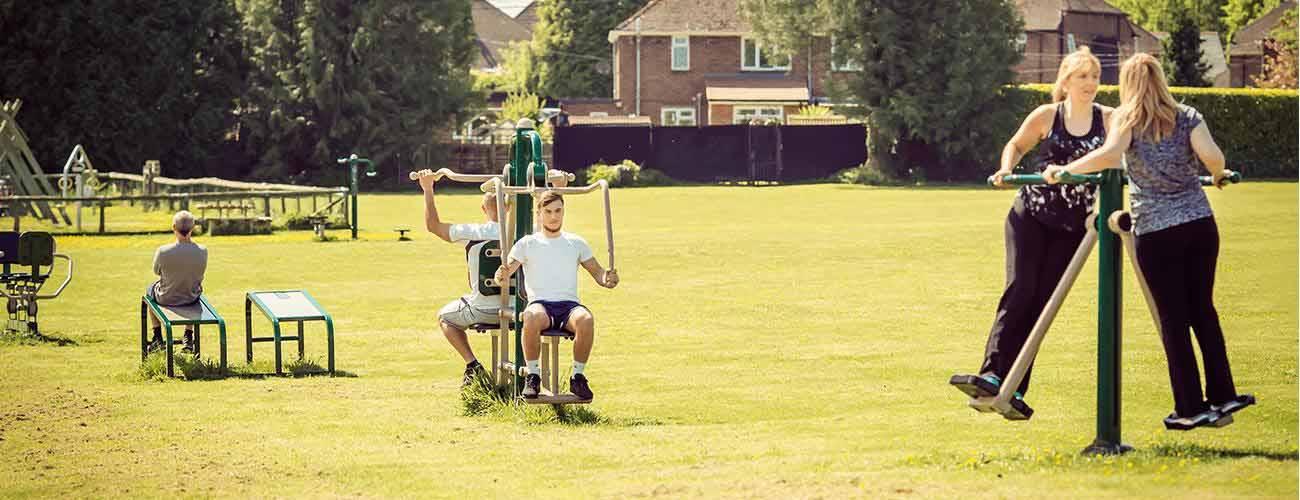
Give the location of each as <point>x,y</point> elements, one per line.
<point>1145,105</point>
<point>1078,61</point>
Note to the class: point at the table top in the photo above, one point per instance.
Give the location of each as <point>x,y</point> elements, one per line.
<point>288,304</point>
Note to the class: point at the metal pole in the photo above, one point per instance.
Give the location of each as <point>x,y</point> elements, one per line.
<point>353,168</point>
<point>522,227</point>
<point>1109,318</point>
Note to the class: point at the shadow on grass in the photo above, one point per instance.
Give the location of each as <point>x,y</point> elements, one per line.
<point>483,398</point>
<point>188,367</point>
<point>34,338</point>
<point>1206,453</point>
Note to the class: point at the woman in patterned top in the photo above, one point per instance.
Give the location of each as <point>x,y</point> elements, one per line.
<point>1165,145</point>
<point>1046,223</point>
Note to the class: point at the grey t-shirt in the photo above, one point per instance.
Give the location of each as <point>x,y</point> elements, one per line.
<point>1164,189</point>
<point>180,268</point>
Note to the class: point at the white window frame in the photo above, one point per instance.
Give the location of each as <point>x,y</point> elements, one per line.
<point>680,42</point>
<point>677,112</point>
<point>757,113</point>
<point>758,58</point>
<point>846,65</point>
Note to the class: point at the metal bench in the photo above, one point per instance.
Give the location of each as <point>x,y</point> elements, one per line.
<point>286,306</point>
<point>197,314</point>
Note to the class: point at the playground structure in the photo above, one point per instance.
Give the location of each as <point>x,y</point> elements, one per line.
<point>79,186</point>
<point>1108,227</point>
<point>519,178</point>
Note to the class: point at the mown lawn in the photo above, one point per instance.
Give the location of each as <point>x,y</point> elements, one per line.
<point>765,342</point>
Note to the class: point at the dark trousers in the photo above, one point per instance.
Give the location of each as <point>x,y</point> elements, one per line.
<point>1179,263</point>
<point>1036,259</point>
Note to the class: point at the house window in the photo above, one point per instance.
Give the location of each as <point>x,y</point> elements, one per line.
<point>749,114</point>
<point>670,117</point>
<point>754,57</point>
<point>1021,40</point>
<point>681,53</point>
<point>841,61</point>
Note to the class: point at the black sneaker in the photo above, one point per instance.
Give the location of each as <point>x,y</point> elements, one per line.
<point>156,344</point>
<point>187,346</point>
<point>472,370</point>
<point>532,386</point>
<point>578,386</point>
<point>1235,405</point>
<point>1206,418</point>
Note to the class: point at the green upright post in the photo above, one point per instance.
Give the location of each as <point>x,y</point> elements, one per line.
<point>353,189</point>
<point>527,148</point>
<point>1109,318</point>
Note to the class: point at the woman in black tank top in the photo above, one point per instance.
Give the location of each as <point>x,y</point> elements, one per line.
<point>1046,223</point>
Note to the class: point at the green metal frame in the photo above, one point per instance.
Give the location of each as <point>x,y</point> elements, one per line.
<point>527,143</point>
<point>149,304</point>
<point>251,298</point>
<point>1110,184</point>
<point>354,187</point>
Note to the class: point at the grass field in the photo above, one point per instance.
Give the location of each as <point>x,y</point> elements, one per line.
<point>765,342</point>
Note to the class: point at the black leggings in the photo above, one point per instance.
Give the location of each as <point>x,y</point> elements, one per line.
<point>1036,259</point>
<point>1179,263</point>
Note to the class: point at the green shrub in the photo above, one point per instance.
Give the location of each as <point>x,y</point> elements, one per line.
<point>1255,127</point>
<point>626,174</point>
<point>868,174</point>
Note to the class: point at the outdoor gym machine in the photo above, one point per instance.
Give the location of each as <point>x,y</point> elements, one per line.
<point>1105,227</point>
<point>352,162</point>
<point>519,178</point>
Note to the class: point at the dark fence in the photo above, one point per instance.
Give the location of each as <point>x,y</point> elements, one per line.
<point>719,152</point>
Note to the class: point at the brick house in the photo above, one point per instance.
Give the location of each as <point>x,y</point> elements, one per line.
<point>697,64</point>
<point>1246,55</point>
<point>693,62</point>
<point>1052,26</point>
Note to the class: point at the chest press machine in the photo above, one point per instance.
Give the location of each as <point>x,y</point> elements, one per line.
<point>518,178</point>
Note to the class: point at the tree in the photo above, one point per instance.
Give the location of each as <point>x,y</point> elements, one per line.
<point>932,76</point>
<point>572,48</point>
<point>375,78</point>
<point>130,80</point>
<point>1182,55</point>
<point>1282,51</point>
<point>1238,13</point>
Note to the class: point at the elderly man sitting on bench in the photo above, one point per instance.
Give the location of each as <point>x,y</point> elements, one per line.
<point>180,267</point>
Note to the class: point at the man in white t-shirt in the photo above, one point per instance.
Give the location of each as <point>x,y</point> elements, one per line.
<point>472,308</point>
<point>550,258</point>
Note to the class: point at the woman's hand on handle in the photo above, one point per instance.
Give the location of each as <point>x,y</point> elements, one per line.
<point>1221,178</point>
<point>1051,173</point>
<point>997,177</point>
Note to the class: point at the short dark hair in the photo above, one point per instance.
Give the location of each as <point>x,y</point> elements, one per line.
<point>547,198</point>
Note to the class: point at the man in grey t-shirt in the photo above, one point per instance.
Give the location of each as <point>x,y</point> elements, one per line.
<point>180,267</point>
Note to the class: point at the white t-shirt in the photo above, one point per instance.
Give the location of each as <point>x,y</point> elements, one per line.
<point>551,265</point>
<point>481,234</point>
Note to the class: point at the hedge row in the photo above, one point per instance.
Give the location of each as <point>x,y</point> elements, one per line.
<point>1258,129</point>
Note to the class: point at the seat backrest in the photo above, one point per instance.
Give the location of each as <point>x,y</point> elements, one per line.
<point>36,248</point>
<point>487,267</point>
<point>8,247</point>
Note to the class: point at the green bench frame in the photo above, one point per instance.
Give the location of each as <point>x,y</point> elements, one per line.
<point>197,314</point>
<point>252,298</point>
